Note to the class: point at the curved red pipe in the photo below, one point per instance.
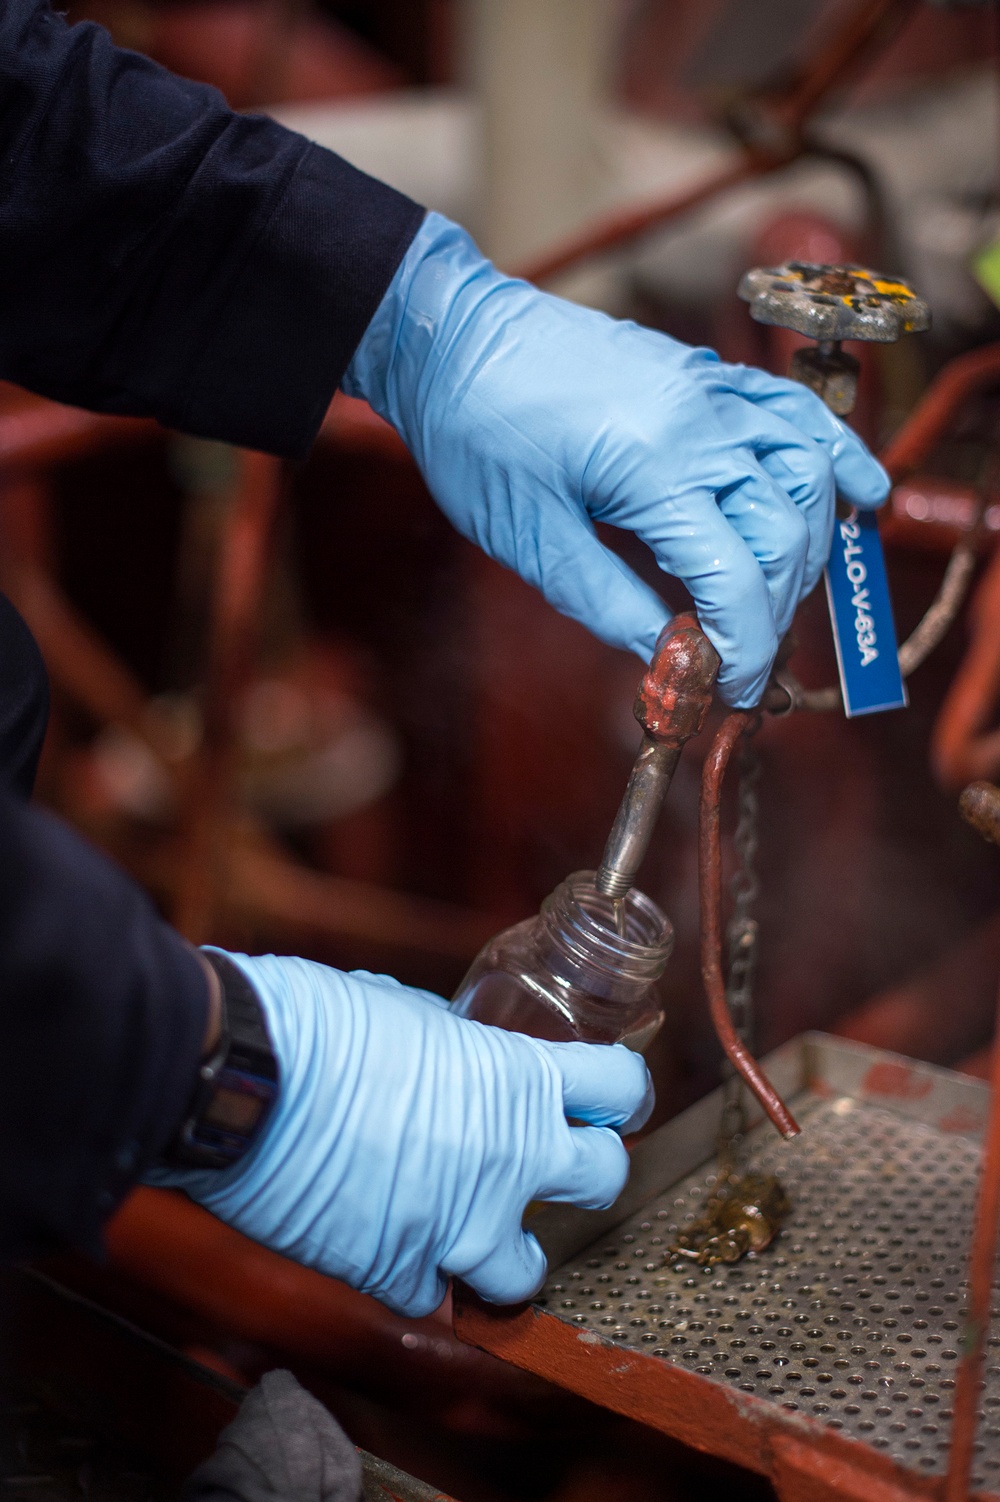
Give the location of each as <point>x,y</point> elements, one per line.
<point>934,413</point>
<point>624,225</point>
<point>710,894</point>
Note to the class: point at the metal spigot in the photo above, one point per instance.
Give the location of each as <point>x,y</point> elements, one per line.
<point>828,304</point>
<point>671,706</point>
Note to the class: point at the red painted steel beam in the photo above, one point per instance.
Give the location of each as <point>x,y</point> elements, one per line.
<point>797,1453</point>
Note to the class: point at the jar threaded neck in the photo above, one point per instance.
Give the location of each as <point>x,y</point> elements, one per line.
<point>582,922</point>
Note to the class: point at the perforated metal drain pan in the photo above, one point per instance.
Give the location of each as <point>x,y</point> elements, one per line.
<point>842,1337</point>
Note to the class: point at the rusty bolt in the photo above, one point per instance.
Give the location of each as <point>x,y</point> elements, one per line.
<point>980,807</point>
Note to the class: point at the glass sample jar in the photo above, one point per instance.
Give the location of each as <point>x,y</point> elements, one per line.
<point>570,974</point>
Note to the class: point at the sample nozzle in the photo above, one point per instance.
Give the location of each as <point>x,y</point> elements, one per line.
<point>671,706</point>
<point>636,819</point>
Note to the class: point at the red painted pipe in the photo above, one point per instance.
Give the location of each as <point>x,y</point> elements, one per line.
<point>710,892</point>
<point>940,404</point>
<point>619,228</point>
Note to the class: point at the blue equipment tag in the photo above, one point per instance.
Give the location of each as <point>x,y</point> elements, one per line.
<point>863,628</point>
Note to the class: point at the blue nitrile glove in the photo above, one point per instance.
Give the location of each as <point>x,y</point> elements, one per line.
<point>406,1141</point>
<point>531,418</point>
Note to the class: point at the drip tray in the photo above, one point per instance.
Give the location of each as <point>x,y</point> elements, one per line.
<point>842,1338</point>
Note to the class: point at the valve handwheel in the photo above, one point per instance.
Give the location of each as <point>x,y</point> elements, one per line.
<point>828,304</point>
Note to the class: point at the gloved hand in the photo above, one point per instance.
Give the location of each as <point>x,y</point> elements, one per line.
<point>531,418</point>
<point>406,1141</point>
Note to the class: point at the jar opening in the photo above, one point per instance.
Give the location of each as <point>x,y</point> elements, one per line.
<point>585,921</point>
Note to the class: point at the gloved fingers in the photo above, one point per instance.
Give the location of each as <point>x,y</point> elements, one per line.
<point>799,465</point>
<point>511,1272</point>
<point>793,471</point>
<point>694,541</point>
<point>414,1302</point>
<point>586,581</point>
<point>606,1087</point>
<point>777,534</point>
<point>860,477</point>
<point>585,1166</point>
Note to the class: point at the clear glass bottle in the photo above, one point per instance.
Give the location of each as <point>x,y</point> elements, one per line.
<point>570,974</point>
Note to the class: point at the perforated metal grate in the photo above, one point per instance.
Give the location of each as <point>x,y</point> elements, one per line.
<point>853,1315</point>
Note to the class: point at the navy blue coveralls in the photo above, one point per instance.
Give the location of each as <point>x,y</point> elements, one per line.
<point>164,257</point>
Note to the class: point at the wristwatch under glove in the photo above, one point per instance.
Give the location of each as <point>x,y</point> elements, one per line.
<point>236,1087</point>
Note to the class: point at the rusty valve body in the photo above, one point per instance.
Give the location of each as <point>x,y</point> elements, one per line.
<point>675,694</point>
<point>671,706</point>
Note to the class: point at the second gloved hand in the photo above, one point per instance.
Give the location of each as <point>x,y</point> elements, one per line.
<point>531,418</point>
<point>406,1142</point>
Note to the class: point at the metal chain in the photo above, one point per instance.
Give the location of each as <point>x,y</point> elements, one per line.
<point>741,946</point>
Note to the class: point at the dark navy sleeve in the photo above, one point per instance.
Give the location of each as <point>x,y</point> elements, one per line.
<point>161,255</point>
<point>103,1010</point>
<point>103,1007</point>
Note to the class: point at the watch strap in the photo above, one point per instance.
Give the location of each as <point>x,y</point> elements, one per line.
<point>236,1086</point>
